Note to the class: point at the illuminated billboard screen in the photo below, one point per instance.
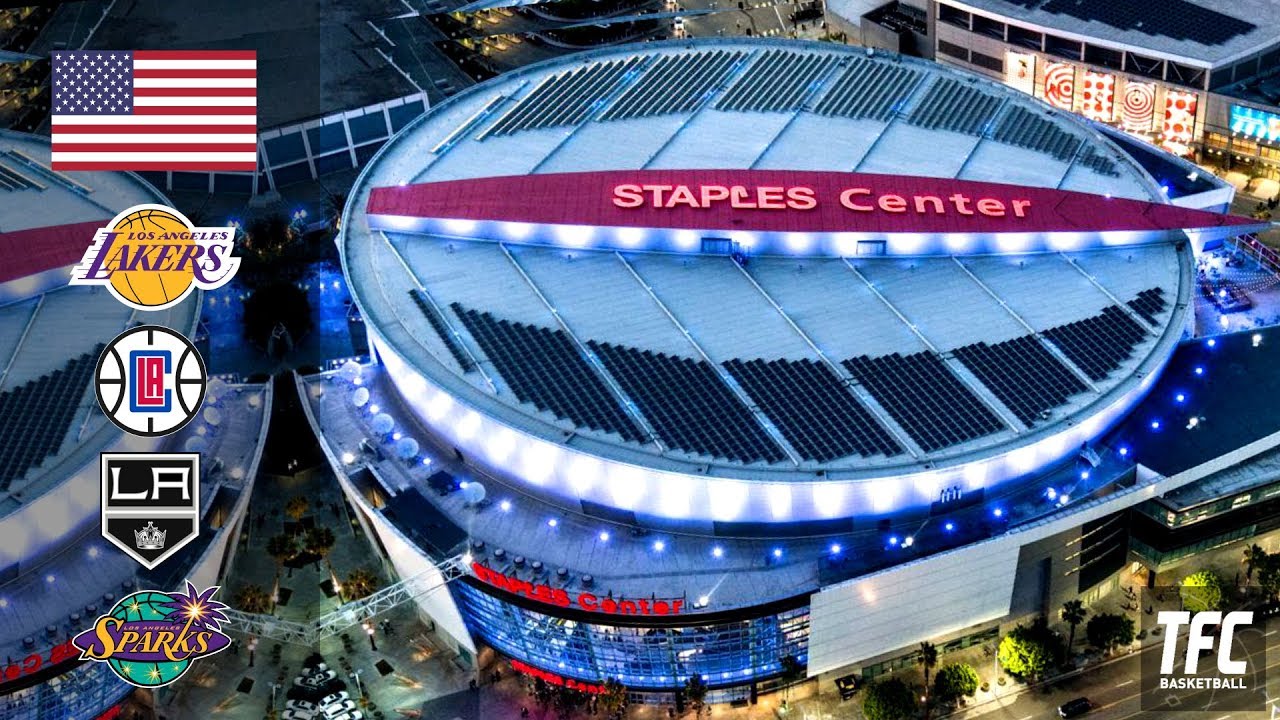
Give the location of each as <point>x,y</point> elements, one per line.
<point>1098,96</point>
<point>1257,124</point>
<point>1060,84</point>
<point>1138,106</point>
<point>1020,71</point>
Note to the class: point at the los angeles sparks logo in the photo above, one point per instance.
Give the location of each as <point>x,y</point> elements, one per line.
<point>150,256</point>
<point>150,638</point>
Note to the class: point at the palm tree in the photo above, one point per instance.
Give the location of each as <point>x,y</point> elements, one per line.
<point>792,673</point>
<point>614,698</point>
<point>359,583</point>
<point>695,691</point>
<point>1073,614</point>
<point>252,599</point>
<point>297,506</point>
<point>281,548</point>
<point>1254,558</point>
<point>928,658</point>
<point>319,541</point>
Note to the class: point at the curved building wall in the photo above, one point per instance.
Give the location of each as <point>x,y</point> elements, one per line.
<point>567,476</point>
<point>643,655</point>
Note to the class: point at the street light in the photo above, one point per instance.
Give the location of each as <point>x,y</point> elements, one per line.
<point>274,686</point>
<point>368,628</point>
<point>355,674</point>
<point>253,645</point>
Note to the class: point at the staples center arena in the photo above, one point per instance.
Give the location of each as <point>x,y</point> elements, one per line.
<point>694,357</point>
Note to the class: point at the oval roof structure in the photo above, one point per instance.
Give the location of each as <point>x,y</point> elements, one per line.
<point>714,381</point>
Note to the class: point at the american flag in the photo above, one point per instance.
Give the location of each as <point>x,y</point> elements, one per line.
<point>155,110</point>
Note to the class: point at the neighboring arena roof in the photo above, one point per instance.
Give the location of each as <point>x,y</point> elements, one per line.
<point>1198,31</point>
<point>931,370</point>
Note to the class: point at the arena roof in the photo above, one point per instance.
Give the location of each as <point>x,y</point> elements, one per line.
<point>763,367</point>
<point>51,333</point>
<point>1198,31</point>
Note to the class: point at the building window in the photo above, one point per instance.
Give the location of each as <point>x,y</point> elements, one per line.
<point>1186,75</point>
<point>953,16</point>
<point>1062,47</point>
<point>953,50</point>
<point>1215,140</point>
<point>1025,38</point>
<point>986,26</point>
<point>988,62</point>
<point>1104,57</point>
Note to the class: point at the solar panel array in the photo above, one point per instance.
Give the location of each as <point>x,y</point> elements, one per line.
<point>778,80</point>
<point>868,89</point>
<point>35,416</point>
<point>1149,304</point>
<point>674,84</point>
<point>1098,162</point>
<point>815,412</point>
<point>954,105</point>
<point>925,398</point>
<point>1023,128</point>
<point>688,404</point>
<point>437,323</point>
<point>565,99</point>
<point>1023,374</point>
<point>1100,343</point>
<point>11,180</point>
<point>1177,19</point>
<point>543,367</point>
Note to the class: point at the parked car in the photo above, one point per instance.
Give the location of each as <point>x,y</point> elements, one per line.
<point>334,698</point>
<point>1075,708</point>
<point>296,715</point>
<point>302,705</point>
<point>339,708</point>
<point>353,715</point>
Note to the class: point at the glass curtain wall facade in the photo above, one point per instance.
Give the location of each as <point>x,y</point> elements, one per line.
<point>77,695</point>
<point>641,657</point>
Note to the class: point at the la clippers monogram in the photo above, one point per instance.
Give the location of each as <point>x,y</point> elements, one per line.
<point>151,256</point>
<point>150,380</point>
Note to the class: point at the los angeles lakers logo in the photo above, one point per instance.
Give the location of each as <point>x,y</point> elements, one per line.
<point>151,256</point>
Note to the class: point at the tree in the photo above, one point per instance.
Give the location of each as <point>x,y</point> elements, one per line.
<point>889,699</point>
<point>1107,630</point>
<point>928,659</point>
<point>614,698</point>
<point>695,691</point>
<point>1254,559</point>
<point>1202,591</point>
<point>297,506</point>
<point>252,599</point>
<point>282,548</point>
<point>1269,576</point>
<point>319,541</point>
<point>1073,614</point>
<point>1029,650</point>
<point>954,681</point>
<point>359,583</point>
<point>792,673</point>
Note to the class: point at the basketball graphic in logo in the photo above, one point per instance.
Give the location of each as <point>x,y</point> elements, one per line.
<point>150,257</point>
<point>150,380</point>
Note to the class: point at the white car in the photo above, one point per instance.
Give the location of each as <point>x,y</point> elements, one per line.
<point>301,705</point>
<point>353,715</point>
<point>296,715</point>
<point>339,708</point>
<point>323,676</point>
<point>334,698</point>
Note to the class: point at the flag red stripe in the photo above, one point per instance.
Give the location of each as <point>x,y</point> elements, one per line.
<point>202,73</point>
<point>122,165</point>
<point>67,129</point>
<point>187,110</point>
<point>194,92</point>
<point>195,55</point>
<point>153,147</point>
